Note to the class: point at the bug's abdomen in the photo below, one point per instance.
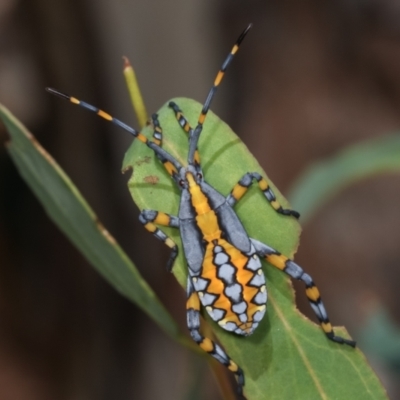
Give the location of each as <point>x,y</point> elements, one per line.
<point>232,287</point>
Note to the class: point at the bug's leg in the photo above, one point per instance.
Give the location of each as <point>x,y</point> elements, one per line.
<point>157,139</point>
<point>183,122</point>
<point>243,185</point>
<point>288,266</point>
<point>212,348</point>
<point>157,132</point>
<point>151,217</point>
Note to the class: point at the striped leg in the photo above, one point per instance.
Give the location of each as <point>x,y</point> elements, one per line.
<point>286,265</point>
<point>157,139</point>
<point>193,323</point>
<point>183,122</point>
<point>151,217</point>
<point>243,185</point>
<point>157,133</point>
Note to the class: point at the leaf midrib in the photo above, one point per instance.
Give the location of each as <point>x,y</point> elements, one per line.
<point>300,350</point>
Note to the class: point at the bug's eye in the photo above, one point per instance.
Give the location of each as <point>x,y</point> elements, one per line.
<point>182,183</point>
<point>199,175</point>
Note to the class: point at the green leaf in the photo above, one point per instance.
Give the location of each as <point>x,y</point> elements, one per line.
<point>70,212</point>
<point>325,179</point>
<point>288,357</point>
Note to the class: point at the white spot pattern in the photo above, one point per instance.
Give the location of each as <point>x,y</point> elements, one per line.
<point>229,326</point>
<point>226,272</point>
<point>221,258</point>
<point>258,315</point>
<point>217,314</point>
<point>233,292</point>
<point>200,284</point>
<point>207,299</point>
<point>243,318</point>
<point>260,298</point>
<point>239,308</point>
<point>258,280</point>
<point>253,264</point>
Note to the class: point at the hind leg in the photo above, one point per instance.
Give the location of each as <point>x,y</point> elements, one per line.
<point>212,348</point>
<point>288,266</point>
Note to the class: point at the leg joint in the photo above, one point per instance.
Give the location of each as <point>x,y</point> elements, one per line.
<point>147,216</point>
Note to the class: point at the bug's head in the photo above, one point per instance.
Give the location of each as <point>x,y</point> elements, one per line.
<point>184,176</point>
<point>188,176</point>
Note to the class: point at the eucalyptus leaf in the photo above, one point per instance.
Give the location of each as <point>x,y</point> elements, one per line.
<point>70,212</point>
<point>288,357</point>
<point>325,179</point>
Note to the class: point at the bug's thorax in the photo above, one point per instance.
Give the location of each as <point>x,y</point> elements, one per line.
<point>205,216</point>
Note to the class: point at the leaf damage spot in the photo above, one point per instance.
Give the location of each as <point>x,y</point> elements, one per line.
<point>152,179</point>
<point>144,160</point>
<point>105,232</point>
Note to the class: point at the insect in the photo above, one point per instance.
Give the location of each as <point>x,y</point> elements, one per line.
<point>225,274</point>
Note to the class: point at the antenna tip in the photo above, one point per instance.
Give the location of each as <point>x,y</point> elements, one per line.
<point>244,33</point>
<point>57,93</point>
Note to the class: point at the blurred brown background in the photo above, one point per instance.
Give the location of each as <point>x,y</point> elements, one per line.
<point>311,78</point>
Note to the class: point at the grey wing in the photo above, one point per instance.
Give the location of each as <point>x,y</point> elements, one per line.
<point>193,246</point>
<point>232,228</point>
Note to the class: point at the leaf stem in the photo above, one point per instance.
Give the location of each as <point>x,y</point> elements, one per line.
<point>135,93</point>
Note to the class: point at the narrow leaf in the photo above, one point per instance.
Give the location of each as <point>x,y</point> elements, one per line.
<point>325,179</point>
<point>70,212</point>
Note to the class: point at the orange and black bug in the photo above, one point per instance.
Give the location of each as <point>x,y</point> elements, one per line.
<point>225,274</point>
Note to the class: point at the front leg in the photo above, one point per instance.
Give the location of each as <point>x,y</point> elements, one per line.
<point>151,217</point>
<point>183,122</point>
<point>288,266</point>
<point>243,185</point>
<point>158,140</point>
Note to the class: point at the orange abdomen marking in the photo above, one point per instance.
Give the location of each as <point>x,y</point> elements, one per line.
<point>231,302</point>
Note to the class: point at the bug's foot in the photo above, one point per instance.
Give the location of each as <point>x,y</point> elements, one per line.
<point>174,106</point>
<point>339,339</point>
<point>295,214</point>
<point>172,258</point>
<point>240,382</point>
<point>285,211</point>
